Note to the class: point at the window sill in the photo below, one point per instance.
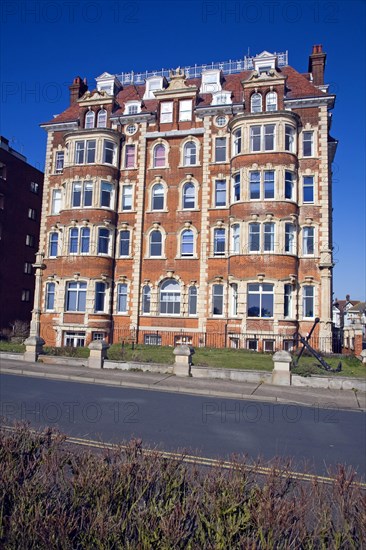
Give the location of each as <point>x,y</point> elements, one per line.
<point>156,211</point>
<point>187,257</point>
<point>189,165</point>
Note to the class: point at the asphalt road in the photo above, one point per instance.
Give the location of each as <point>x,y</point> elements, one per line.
<point>205,426</point>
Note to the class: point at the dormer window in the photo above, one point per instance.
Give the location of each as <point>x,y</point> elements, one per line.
<point>102,119</point>
<point>221,98</point>
<point>107,82</point>
<point>265,62</point>
<point>256,103</point>
<point>89,119</point>
<point>210,82</point>
<point>152,85</point>
<point>132,108</point>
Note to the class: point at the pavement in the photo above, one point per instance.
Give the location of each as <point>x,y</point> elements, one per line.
<point>323,398</point>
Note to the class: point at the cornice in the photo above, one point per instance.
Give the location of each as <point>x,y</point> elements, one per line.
<point>302,102</point>
<point>60,126</point>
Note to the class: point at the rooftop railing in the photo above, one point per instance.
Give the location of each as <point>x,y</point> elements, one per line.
<point>195,71</point>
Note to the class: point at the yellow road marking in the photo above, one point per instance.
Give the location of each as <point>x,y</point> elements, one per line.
<point>202,461</point>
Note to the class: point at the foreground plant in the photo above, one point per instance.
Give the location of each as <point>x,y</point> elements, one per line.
<point>55,496</point>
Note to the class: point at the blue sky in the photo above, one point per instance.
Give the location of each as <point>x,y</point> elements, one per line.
<point>45,44</point>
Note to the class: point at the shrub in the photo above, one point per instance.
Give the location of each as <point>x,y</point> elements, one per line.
<point>53,496</point>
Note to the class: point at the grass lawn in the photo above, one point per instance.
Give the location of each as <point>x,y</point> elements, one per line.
<point>233,359</point>
<point>9,347</point>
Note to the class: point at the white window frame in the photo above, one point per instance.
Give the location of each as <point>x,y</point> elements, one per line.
<point>102,118</point>
<point>261,292</point>
<point>123,296</point>
<point>271,101</point>
<point>308,240</point>
<point>185,110</point>
<point>219,149</point>
<point>127,197</point>
<point>109,147</point>
<point>256,103</point>
<point>306,298</point>
<point>56,201</point>
<point>171,296</point>
<point>166,112</point>
<point>217,291</point>
<point>89,121</point>
<point>305,143</point>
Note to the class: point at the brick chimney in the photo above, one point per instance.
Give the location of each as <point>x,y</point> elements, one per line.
<point>77,89</point>
<point>317,64</point>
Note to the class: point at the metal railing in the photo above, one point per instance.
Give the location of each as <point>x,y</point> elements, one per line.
<point>259,341</point>
<point>195,71</point>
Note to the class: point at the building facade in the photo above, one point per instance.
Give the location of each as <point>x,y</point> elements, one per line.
<point>193,202</point>
<point>20,211</point>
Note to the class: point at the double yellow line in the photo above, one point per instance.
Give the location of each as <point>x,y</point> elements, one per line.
<point>201,461</point>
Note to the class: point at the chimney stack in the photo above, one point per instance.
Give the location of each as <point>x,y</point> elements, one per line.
<point>317,64</point>
<point>77,89</point>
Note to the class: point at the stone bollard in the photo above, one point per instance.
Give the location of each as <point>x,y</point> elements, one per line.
<point>281,374</point>
<point>33,347</point>
<point>98,352</point>
<point>183,360</point>
<point>363,356</point>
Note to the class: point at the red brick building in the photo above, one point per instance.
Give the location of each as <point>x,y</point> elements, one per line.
<point>20,212</point>
<point>194,201</point>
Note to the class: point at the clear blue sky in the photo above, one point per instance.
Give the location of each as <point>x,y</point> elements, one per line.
<point>45,44</point>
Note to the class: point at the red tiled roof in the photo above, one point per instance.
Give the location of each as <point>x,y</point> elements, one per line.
<point>297,86</point>
<point>69,115</point>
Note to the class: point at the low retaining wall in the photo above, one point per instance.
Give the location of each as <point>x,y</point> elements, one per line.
<point>144,367</point>
<point>255,377</point>
<point>60,360</point>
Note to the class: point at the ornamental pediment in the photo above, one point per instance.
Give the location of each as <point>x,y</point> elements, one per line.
<point>95,96</point>
<point>177,85</point>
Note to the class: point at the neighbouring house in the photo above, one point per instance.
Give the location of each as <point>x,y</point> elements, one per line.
<point>21,187</point>
<point>190,205</point>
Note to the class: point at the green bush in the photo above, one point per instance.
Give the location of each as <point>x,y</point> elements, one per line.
<point>52,496</point>
<point>67,351</point>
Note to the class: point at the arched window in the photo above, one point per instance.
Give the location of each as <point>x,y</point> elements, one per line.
<point>170,297</point>
<point>192,300</point>
<point>89,119</point>
<point>146,299</point>
<point>159,156</point>
<point>102,119</point>
<point>155,243</point>
<point>271,101</point>
<point>189,198</point>
<point>157,197</point>
<point>256,103</point>
<point>187,243</point>
<point>190,154</point>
